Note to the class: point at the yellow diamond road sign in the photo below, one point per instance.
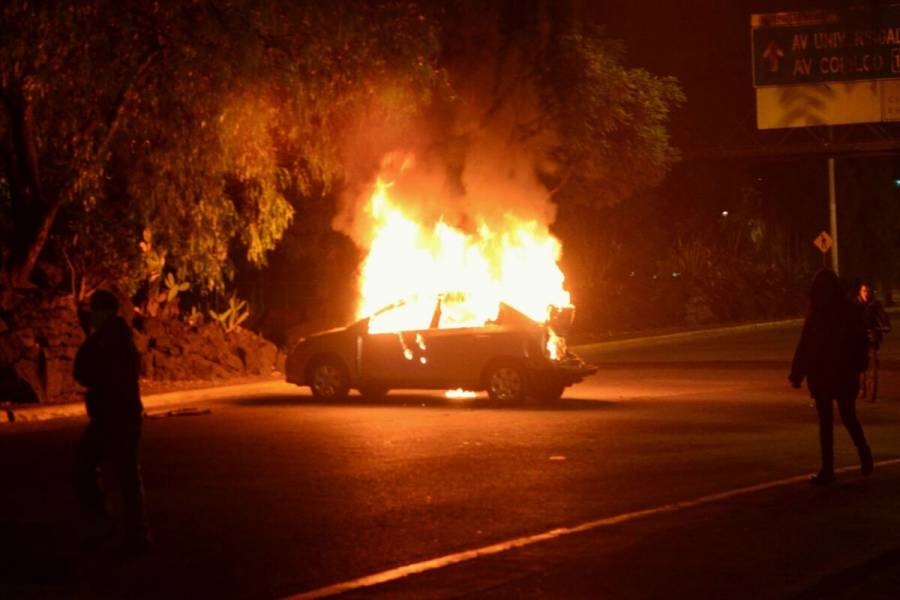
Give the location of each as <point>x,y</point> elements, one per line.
<point>824,242</point>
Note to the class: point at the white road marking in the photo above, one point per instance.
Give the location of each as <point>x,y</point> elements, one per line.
<point>458,557</point>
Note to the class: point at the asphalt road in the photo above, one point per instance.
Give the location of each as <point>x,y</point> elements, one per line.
<point>271,496</point>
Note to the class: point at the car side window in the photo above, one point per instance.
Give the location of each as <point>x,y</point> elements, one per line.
<point>458,311</point>
<point>409,316</point>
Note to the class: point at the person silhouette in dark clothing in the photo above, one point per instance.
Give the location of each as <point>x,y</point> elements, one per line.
<point>108,365</point>
<point>877,324</point>
<point>831,354</point>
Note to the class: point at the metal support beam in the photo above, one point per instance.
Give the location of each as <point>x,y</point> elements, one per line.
<point>832,212</point>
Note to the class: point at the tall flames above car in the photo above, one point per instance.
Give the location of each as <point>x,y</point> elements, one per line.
<point>473,259</point>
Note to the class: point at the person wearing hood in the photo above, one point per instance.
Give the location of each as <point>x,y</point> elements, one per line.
<point>831,354</point>
<point>108,365</point>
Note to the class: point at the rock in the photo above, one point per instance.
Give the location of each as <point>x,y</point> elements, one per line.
<point>41,335</point>
<point>26,337</point>
<point>29,374</point>
<point>60,385</point>
<point>257,354</point>
<point>11,349</point>
<point>39,347</point>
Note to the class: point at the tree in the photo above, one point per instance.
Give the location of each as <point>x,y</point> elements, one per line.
<point>610,120</point>
<point>537,76</point>
<point>204,116</point>
<point>869,221</point>
<point>65,92</point>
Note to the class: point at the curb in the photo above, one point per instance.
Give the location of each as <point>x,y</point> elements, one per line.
<point>697,333</point>
<point>150,401</point>
<point>684,335</point>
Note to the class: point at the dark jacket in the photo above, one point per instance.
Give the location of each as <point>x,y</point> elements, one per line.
<point>832,351</point>
<point>877,321</point>
<point>108,365</point>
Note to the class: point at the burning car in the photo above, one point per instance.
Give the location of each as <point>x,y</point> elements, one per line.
<point>486,306</point>
<point>439,344</point>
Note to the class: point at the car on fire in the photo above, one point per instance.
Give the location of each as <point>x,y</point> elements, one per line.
<point>512,357</point>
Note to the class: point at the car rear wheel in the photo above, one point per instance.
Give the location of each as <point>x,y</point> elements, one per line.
<point>329,380</point>
<point>506,383</point>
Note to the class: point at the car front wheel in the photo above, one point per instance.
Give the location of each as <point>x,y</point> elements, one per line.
<point>506,383</point>
<point>329,380</point>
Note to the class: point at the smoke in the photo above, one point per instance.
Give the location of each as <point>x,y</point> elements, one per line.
<point>466,182</point>
<point>469,159</point>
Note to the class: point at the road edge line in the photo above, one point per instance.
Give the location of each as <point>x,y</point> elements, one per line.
<point>465,555</point>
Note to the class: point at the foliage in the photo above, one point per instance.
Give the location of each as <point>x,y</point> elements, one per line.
<point>204,114</point>
<point>869,205</point>
<point>611,120</point>
<point>153,259</point>
<point>230,318</point>
<point>195,317</point>
<point>164,302</point>
<point>173,288</point>
<point>535,79</point>
<point>97,248</point>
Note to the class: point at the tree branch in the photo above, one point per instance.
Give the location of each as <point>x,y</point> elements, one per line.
<point>121,103</point>
<point>22,271</point>
<point>562,182</point>
<point>21,124</point>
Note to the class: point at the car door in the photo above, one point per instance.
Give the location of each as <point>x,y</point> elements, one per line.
<point>455,357</point>
<point>463,339</point>
<point>396,357</point>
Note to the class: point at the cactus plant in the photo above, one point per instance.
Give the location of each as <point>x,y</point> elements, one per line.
<point>236,313</point>
<point>174,288</point>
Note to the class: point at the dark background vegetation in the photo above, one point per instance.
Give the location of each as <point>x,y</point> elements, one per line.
<point>757,261</point>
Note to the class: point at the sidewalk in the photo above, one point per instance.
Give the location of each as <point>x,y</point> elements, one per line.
<point>152,402</point>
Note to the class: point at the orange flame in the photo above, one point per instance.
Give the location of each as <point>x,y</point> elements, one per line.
<point>514,263</point>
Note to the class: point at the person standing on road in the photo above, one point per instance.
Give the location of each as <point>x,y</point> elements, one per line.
<point>108,365</point>
<point>877,324</point>
<point>831,354</point>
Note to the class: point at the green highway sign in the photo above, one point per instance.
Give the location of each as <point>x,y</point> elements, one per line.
<point>826,46</point>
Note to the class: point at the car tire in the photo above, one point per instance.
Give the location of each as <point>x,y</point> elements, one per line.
<point>328,380</point>
<point>506,382</point>
<point>373,393</point>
